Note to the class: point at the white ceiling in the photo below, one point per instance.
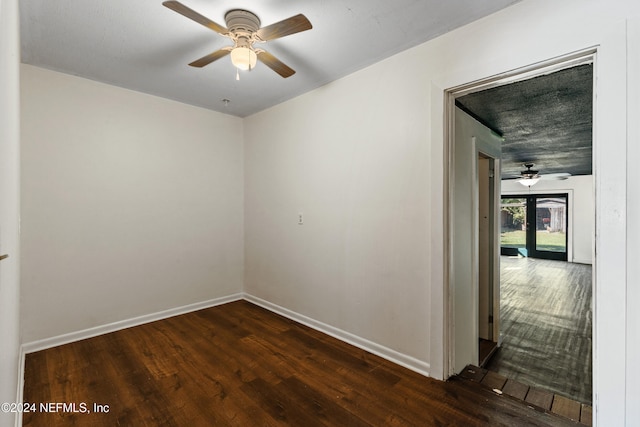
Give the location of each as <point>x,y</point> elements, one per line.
<point>144,46</point>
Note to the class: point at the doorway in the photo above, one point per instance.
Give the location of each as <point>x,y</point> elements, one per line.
<point>488,260</point>
<point>548,213</point>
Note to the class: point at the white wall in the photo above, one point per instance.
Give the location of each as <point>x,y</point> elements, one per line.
<point>581,211</point>
<point>131,204</point>
<point>351,156</point>
<point>633,212</point>
<point>363,157</point>
<point>9,206</point>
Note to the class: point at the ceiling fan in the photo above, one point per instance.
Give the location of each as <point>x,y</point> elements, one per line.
<point>530,177</point>
<point>243,28</point>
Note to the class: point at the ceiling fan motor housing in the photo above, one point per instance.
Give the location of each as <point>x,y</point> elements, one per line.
<point>529,173</point>
<point>242,22</point>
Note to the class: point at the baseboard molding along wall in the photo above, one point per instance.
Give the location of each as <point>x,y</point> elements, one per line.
<point>396,357</point>
<point>401,359</point>
<point>124,324</point>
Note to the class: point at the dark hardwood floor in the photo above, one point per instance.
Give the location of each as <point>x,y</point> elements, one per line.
<point>241,365</point>
<point>546,318</point>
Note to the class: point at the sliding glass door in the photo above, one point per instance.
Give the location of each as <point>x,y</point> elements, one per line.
<point>534,225</point>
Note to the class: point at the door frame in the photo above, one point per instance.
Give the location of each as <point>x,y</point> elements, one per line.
<point>493,198</point>
<point>586,56</point>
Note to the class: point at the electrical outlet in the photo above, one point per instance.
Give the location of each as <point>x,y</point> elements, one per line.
<point>300,218</point>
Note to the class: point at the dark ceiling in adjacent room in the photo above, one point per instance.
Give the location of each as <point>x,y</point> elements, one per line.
<point>546,120</point>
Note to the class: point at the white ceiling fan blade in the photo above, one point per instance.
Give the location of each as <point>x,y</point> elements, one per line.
<point>555,176</point>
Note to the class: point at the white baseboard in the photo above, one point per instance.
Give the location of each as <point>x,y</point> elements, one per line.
<point>43,344</point>
<point>396,357</point>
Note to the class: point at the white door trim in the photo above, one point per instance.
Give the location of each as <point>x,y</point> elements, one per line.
<point>545,67</point>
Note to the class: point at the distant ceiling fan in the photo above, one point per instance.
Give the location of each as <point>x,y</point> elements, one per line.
<point>243,27</point>
<point>530,177</point>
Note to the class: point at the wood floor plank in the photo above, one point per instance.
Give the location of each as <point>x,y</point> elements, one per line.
<point>540,398</point>
<point>515,389</point>
<point>240,365</point>
<point>566,408</point>
<point>473,373</point>
<point>494,380</point>
<point>586,415</point>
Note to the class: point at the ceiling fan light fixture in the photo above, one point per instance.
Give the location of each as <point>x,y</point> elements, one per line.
<point>244,58</point>
<point>529,177</point>
<point>528,182</point>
